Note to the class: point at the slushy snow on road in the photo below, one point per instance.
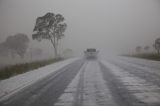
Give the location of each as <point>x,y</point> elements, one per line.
<point>14,84</point>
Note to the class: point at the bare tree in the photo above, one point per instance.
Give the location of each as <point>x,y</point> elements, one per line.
<point>50,26</point>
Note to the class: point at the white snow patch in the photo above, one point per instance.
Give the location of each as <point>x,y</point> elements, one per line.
<point>96,92</point>
<point>68,97</point>
<point>143,90</point>
<point>140,64</point>
<point>143,62</point>
<point>14,84</point>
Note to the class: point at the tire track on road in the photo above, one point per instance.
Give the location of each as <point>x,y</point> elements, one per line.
<point>88,88</point>
<point>142,92</point>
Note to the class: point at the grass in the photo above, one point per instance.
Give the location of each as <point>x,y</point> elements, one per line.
<point>152,56</point>
<point>13,70</point>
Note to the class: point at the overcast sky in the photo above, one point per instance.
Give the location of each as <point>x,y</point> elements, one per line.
<point>109,25</point>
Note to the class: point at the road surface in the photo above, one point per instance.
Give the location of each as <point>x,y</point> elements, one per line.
<point>101,82</point>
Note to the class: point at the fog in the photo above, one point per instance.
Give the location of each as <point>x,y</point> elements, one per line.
<point>111,26</point>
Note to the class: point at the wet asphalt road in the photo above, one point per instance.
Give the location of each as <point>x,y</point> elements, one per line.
<point>96,85</point>
<point>46,91</point>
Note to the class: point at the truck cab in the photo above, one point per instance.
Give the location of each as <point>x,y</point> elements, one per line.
<point>91,53</point>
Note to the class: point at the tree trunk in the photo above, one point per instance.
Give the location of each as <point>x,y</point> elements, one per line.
<point>55,48</point>
<point>55,52</point>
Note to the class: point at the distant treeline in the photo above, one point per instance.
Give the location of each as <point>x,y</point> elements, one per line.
<point>145,52</point>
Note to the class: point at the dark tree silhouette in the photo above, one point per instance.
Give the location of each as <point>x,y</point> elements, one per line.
<point>3,50</point>
<point>17,44</point>
<point>138,49</point>
<point>157,45</point>
<point>146,48</point>
<point>50,26</point>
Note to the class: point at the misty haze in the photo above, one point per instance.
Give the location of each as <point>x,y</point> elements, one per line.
<point>79,53</point>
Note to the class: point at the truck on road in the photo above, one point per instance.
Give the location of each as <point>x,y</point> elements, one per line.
<point>91,53</point>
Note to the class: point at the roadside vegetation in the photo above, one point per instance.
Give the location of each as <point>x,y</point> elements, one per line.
<point>148,52</point>
<point>49,26</point>
<point>13,70</point>
<point>146,56</point>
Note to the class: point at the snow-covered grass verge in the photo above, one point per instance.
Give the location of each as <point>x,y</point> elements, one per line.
<point>14,84</point>
<point>13,70</point>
